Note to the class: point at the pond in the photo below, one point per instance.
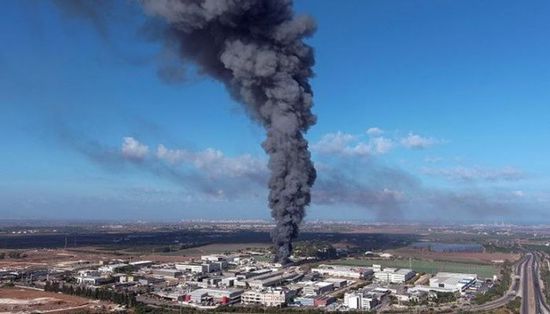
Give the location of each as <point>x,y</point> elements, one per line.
<point>448,247</point>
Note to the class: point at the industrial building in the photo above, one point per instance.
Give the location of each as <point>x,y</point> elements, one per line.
<point>92,280</point>
<point>267,297</point>
<point>452,281</point>
<point>220,296</point>
<point>194,268</point>
<point>219,259</point>
<point>361,300</point>
<point>202,268</point>
<point>112,268</point>
<point>323,301</point>
<point>167,272</point>
<point>393,275</point>
<point>271,279</point>
<point>317,288</point>
<point>140,264</point>
<point>338,282</point>
<point>343,271</point>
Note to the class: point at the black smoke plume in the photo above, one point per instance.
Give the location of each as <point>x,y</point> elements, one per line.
<point>256,48</point>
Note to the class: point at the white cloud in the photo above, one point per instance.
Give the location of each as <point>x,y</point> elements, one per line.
<point>350,145</point>
<point>214,162</point>
<point>476,173</point>
<point>416,141</point>
<point>132,149</point>
<point>333,143</point>
<point>433,160</point>
<point>381,145</point>
<point>374,131</point>
<point>518,193</point>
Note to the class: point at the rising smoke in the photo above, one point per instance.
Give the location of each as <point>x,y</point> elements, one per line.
<point>256,48</point>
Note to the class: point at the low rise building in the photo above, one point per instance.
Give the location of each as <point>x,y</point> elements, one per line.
<point>393,275</point>
<point>343,271</point>
<point>167,272</point>
<point>266,297</point>
<point>194,268</point>
<point>269,279</point>
<point>452,281</point>
<point>305,301</point>
<point>323,301</point>
<point>361,301</point>
<point>111,268</point>
<point>140,264</point>
<point>93,280</point>
<point>317,288</point>
<point>220,296</point>
<point>202,268</point>
<point>337,282</point>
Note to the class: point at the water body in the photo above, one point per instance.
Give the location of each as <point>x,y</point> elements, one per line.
<point>448,247</point>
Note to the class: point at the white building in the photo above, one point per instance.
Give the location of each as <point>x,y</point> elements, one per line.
<point>214,258</point>
<point>88,273</point>
<point>266,297</point>
<point>452,281</point>
<point>203,268</point>
<point>402,275</point>
<point>194,268</point>
<point>343,271</point>
<point>361,301</point>
<point>167,273</point>
<point>393,275</point>
<point>139,264</point>
<point>92,280</point>
<point>269,279</point>
<point>228,281</point>
<point>338,282</point>
<point>222,296</point>
<point>111,268</point>
<point>317,288</point>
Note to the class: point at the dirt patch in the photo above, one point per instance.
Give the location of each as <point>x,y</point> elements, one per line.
<point>27,300</point>
<point>50,257</point>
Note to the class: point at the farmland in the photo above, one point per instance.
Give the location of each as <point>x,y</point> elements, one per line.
<point>426,266</point>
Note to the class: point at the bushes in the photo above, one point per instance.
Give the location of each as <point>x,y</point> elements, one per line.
<point>514,305</point>
<point>499,289</point>
<point>128,299</point>
<point>445,297</point>
<point>15,254</point>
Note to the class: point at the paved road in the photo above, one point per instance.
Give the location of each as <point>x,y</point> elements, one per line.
<point>527,287</point>
<point>513,291</point>
<point>541,306</point>
<point>533,300</point>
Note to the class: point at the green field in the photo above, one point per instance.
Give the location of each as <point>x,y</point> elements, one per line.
<point>432,267</point>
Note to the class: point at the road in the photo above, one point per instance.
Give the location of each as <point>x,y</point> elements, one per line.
<point>532,296</point>
<point>513,291</point>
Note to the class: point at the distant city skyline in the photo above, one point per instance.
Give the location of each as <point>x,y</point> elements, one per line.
<point>431,111</point>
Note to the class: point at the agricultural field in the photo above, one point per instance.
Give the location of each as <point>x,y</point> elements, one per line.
<point>425,266</point>
<point>463,257</point>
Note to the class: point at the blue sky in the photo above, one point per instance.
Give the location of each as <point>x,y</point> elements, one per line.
<point>427,110</point>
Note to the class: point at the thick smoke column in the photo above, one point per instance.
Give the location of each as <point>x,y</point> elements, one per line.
<point>256,48</point>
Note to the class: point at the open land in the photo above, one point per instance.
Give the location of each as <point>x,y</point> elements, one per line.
<point>25,300</point>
